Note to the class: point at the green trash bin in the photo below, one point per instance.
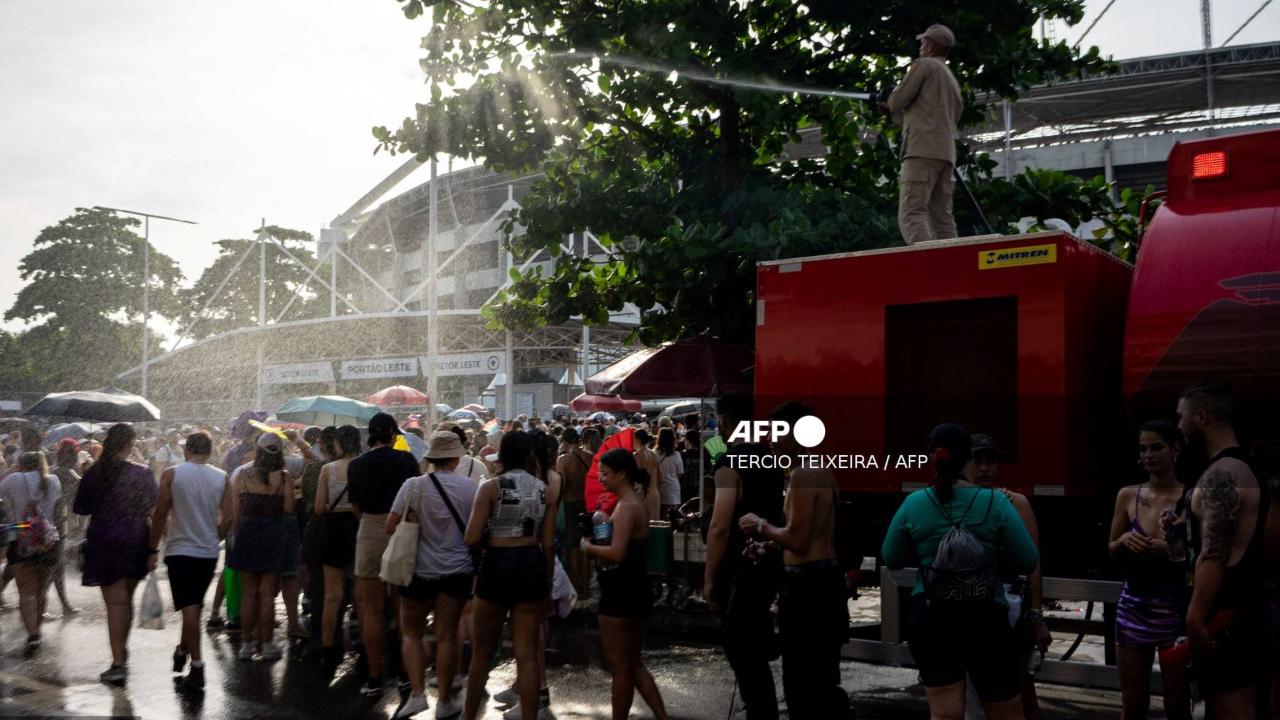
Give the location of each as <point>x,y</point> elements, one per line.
<point>659,550</point>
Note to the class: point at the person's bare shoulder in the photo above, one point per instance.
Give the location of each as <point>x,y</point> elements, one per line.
<point>812,479</point>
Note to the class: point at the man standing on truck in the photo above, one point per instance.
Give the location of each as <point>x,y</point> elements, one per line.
<point>1226,620</point>
<point>742,589</point>
<point>927,105</point>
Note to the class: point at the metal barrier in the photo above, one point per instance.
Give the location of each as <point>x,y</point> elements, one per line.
<point>891,648</point>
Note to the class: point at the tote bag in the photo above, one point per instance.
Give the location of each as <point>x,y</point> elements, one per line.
<point>401,555</point>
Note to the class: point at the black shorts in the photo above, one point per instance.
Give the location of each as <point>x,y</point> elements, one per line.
<point>457,586</point>
<point>949,641</point>
<point>189,579</point>
<point>1240,659</point>
<point>625,593</point>
<point>513,575</point>
<point>338,539</point>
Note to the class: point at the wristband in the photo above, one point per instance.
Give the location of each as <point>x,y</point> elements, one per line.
<point>760,525</point>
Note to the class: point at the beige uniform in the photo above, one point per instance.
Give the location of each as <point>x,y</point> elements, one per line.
<point>927,104</point>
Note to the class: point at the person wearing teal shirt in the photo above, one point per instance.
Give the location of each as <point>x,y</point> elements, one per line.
<point>950,639</point>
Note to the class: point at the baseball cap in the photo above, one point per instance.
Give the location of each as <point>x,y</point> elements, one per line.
<point>444,444</point>
<point>985,446</point>
<point>270,442</point>
<point>940,34</point>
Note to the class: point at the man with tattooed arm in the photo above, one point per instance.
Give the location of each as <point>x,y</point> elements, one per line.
<point>1227,504</point>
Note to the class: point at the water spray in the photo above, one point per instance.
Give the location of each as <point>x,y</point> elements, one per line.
<point>765,86</point>
<point>699,76</point>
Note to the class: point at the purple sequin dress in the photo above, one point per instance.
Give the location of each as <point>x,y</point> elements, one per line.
<point>1153,601</point>
<point>118,533</point>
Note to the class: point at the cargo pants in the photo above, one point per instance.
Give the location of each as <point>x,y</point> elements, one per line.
<point>925,187</point>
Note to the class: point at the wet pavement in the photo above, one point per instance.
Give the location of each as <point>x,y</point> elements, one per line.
<point>62,679</point>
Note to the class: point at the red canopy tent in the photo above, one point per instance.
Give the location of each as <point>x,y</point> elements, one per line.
<point>697,367</point>
<point>397,395</point>
<point>607,403</point>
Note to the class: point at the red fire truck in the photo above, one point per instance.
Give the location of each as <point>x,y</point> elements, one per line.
<point>1054,347</point>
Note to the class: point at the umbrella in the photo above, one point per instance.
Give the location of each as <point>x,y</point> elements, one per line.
<point>13,423</point>
<point>412,444</point>
<point>105,405</point>
<point>594,489</point>
<point>326,410</point>
<point>592,403</point>
<point>695,367</point>
<point>463,415</point>
<point>398,395</point>
<point>74,430</point>
<point>559,410</point>
<point>442,409</point>
<point>601,416</point>
<point>476,408</point>
<point>687,407</point>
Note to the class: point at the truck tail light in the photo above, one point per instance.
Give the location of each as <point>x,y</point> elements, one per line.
<point>1207,165</point>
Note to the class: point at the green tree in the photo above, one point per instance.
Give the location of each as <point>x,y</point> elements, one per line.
<point>88,267</point>
<point>83,302</point>
<point>232,297</point>
<point>651,128</point>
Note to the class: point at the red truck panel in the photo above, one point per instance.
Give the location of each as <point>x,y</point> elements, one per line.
<point>1205,303</point>
<point>821,339</point>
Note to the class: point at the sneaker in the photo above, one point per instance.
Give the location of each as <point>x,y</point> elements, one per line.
<point>506,697</point>
<point>404,687</point>
<point>115,675</point>
<point>194,679</point>
<point>215,622</point>
<point>372,688</point>
<point>179,659</point>
<point>413,705</point>
<point>453,708</point>
<point>33,644</point>
<point>246,652</point>
<point>513,712</point>
<point>271,651</point>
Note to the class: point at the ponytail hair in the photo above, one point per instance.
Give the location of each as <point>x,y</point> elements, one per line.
<point>35,462</point>
<point>945,473</point>
<point>108,463</point>
<point>950,447</point>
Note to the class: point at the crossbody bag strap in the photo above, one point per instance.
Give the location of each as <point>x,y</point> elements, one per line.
<point>462,526</point>
<point>346,486</point>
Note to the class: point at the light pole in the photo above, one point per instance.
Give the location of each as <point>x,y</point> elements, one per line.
<point>146,281</point>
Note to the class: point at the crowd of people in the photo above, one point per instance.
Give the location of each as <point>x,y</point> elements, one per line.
<point>500,526</point>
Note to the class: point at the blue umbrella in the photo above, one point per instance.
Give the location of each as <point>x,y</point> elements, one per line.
<point>326,410</point>
<point>443,409</point>
<point>463,415</point>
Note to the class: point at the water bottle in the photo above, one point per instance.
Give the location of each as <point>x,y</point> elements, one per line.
<point>601,528</point>
<point>1174,536</point>
<point>1035,660</point>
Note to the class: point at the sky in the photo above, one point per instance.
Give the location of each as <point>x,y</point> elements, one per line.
<point>230,112</point>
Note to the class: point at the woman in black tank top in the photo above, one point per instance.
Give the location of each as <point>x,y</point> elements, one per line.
<point>625,595</point>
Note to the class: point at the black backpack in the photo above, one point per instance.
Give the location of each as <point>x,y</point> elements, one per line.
<point>963,570</point>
